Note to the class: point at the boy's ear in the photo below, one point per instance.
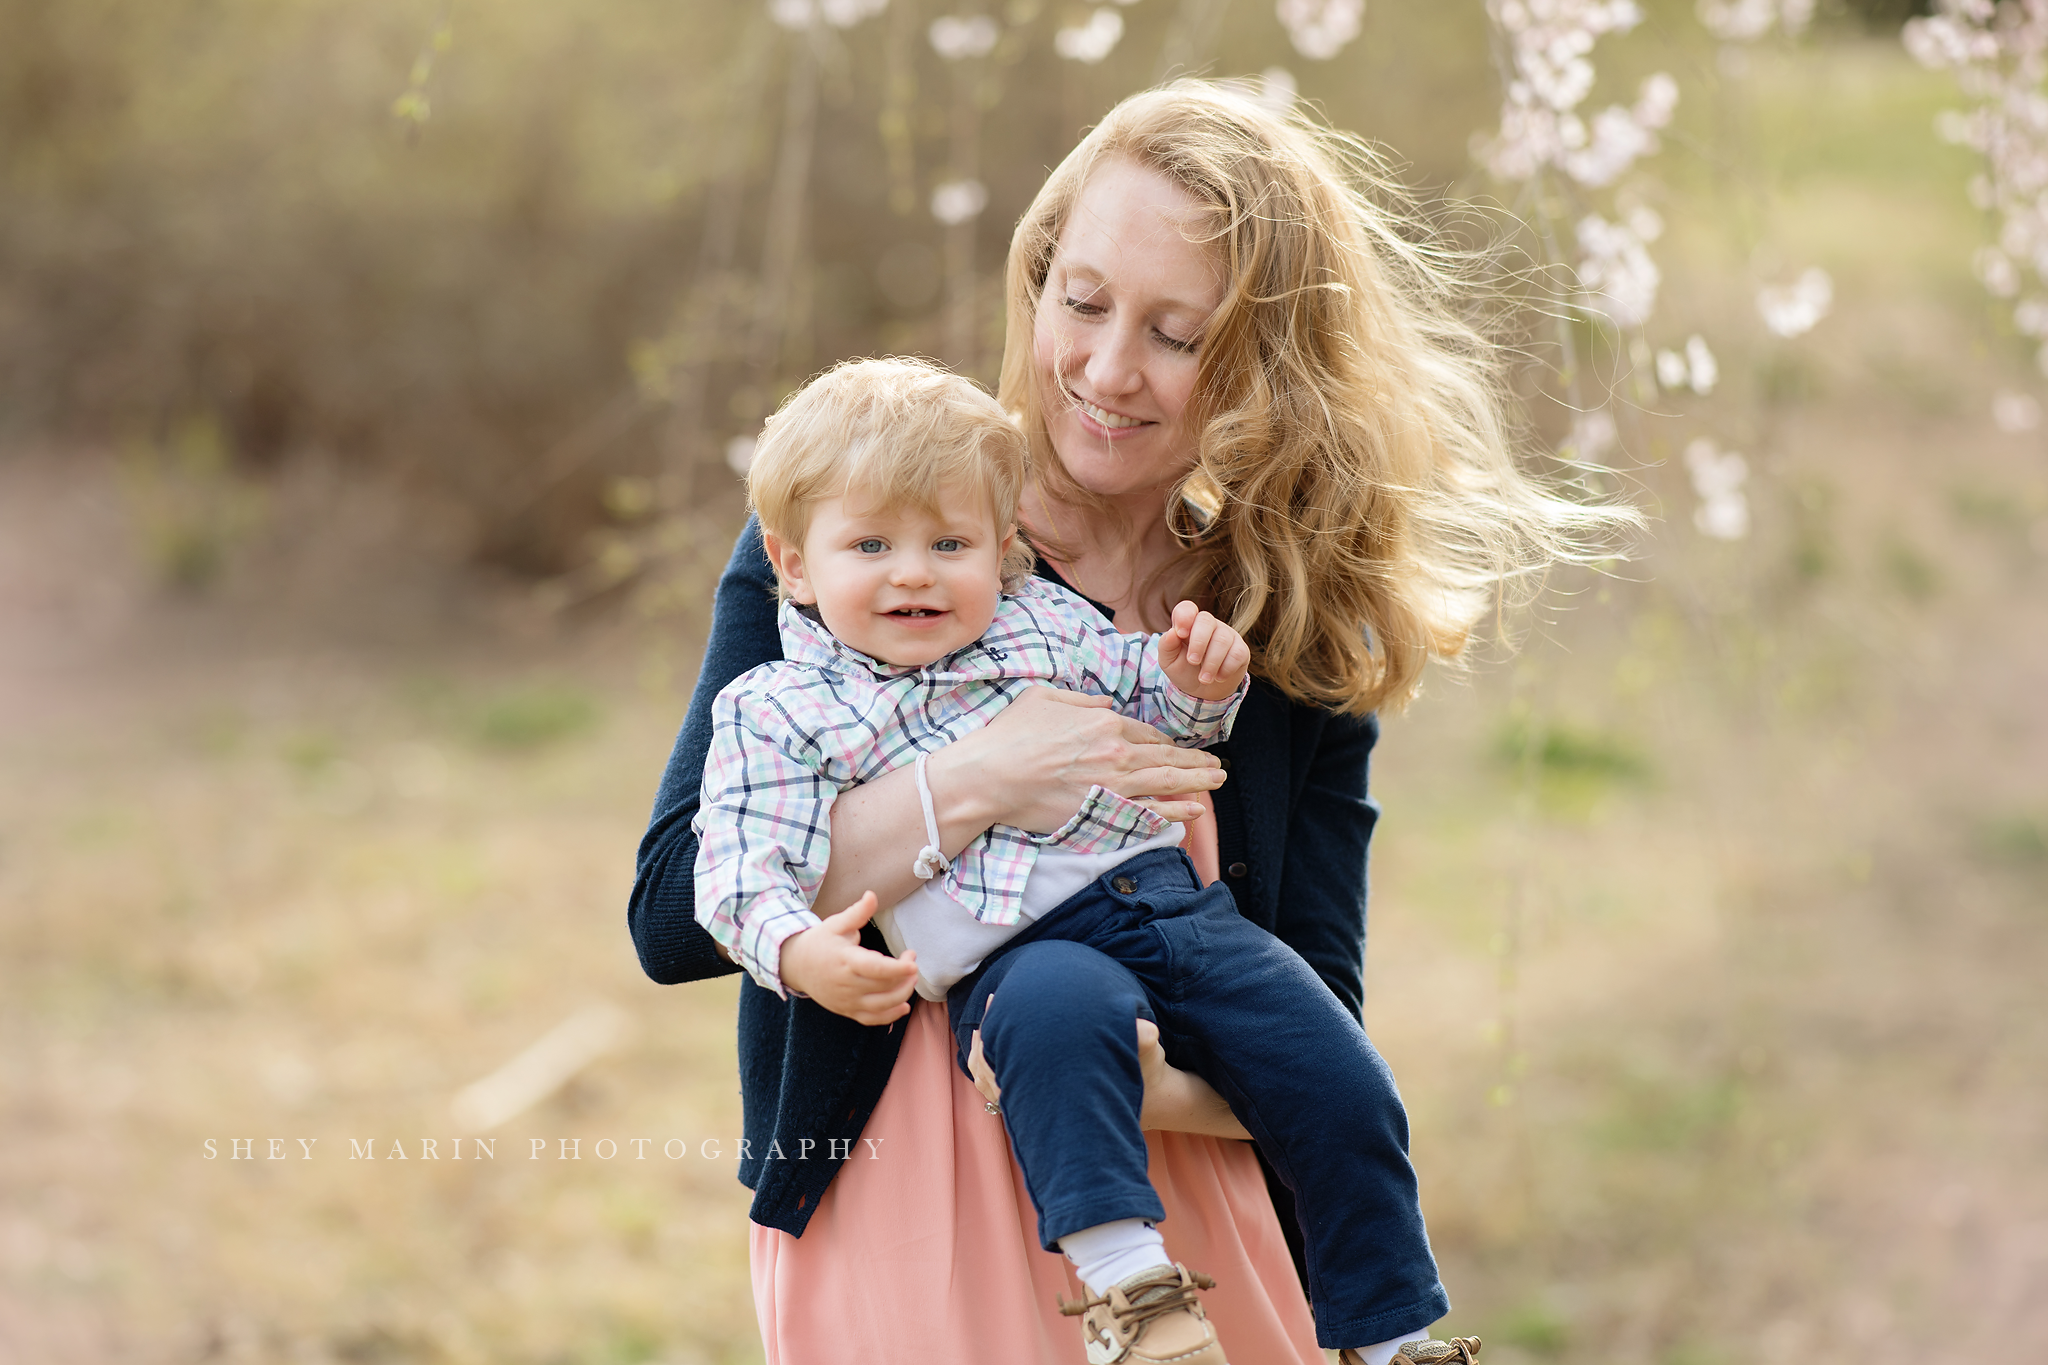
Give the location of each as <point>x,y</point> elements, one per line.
<point>789,567</point>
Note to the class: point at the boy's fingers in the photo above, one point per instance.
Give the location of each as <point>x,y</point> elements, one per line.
<point>855,915</point>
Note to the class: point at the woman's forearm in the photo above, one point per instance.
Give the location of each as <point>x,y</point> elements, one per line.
<point>1182,1102</point>
<point>878,829</point>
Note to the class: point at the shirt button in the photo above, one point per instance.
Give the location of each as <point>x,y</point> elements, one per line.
<point>1124,885</point>
<point>1237,869</point>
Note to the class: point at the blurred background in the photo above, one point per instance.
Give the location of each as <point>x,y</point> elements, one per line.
<point>372,380</point>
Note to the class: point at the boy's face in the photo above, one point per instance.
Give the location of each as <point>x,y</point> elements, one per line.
<point>898,584</point>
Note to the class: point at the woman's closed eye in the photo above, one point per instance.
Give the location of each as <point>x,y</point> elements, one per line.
<point>1083,308</point>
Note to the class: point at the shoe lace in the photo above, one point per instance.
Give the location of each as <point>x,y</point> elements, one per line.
<point>1153,1301</point>
<point>1456,1351</point>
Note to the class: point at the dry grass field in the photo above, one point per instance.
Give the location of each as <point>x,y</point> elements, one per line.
<point>1707,935</point>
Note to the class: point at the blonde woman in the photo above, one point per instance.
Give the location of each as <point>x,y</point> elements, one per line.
<point>1246,383</point>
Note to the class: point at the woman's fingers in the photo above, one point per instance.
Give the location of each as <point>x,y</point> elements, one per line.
<point>977,1067</point>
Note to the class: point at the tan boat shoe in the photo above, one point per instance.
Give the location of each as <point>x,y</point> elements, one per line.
<point>1152,1318</point>
<point>1456,1351</point>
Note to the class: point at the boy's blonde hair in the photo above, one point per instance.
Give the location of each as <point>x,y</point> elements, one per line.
<point>1354,504</point>
<point>893,431</point>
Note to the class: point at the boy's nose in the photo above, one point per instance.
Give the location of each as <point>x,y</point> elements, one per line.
<point>911,570</point>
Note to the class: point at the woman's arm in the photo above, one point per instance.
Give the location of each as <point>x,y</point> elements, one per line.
<point>1031,767</point>
<point>661,913</point>
<point>1176,1101</point>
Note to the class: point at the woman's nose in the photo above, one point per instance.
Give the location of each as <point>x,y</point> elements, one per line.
<point>1116,363</point>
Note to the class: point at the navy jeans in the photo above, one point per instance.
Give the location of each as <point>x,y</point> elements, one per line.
<point>1243,1011</point>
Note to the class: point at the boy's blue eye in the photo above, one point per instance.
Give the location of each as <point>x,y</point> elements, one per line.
<point>871,546</point>
<point>948,546</point>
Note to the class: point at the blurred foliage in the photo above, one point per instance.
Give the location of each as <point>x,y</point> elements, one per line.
<point>533,716</point>
<point>189,505</point>
<point>517,251</point>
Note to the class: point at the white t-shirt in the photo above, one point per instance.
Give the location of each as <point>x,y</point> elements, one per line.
<point>951,942</point>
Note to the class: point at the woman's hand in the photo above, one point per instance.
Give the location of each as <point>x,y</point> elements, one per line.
<point>1033,765</point>
<point>1176,1101</point>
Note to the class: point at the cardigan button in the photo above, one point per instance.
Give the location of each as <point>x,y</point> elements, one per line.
<point>1237,870</point>
<point>1124,886</point>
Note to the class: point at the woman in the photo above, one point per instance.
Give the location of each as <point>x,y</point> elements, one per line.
<point>1242,383</point>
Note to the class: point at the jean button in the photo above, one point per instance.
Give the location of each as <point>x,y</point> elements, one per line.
<point>1124,885</point>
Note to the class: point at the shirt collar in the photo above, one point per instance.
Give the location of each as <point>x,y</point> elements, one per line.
<point>806,641</point>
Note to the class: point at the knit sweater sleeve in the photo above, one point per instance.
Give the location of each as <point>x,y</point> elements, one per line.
<point>673,947</point>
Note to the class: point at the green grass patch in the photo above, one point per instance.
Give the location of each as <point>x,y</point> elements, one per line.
<point>1560,749</point>
<point>2017,839</point>
<point>531,717</point>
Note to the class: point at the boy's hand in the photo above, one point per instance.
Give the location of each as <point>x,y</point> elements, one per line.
<point>1204,657</point>
<point>827,963</point>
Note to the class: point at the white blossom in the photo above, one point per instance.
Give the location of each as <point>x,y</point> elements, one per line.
<point>1794,309</point>
<point>1717,477</point>
<point>1693,368</point>
<point>2015,412</point>
<point>1092,41</point>
<point>1592,436</point>
<point>802,14</point>
<point>954,37</point>
<point>1617,278</point>
<point>1742,21</point>
<point>1549,43</point>
<point>1319,29</point>
<point>956,201</point>
<point>1278,89</point>
<point>1999,54</point>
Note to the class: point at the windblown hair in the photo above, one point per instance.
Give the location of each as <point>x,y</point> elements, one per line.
<point>1354,506</point>
<point>891,432</point>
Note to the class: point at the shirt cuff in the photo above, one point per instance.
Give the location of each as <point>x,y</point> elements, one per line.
<point>1202,721</point>
<point>761,941</point>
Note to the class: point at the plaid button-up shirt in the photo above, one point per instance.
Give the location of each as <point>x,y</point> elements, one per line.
<point>788,737</point>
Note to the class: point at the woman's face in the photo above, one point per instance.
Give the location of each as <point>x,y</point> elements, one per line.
<point>1119,328</point>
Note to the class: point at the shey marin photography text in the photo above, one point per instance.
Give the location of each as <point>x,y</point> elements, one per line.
<point>536,1149</point>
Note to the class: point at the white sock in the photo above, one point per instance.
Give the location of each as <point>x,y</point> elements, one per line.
<point>1110,1253</point>
<point>1384,1352</point>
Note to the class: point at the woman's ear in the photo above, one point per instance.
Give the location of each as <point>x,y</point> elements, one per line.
<point>789,567</point>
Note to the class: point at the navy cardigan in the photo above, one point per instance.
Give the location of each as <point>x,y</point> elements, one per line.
<point>1293,824</point>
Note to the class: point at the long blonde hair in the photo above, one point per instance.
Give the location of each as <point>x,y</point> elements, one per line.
<point>1354,506</point>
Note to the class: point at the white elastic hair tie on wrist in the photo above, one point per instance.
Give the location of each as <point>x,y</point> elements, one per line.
<point>930,863</point>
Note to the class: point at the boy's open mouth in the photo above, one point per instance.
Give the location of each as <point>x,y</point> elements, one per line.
<point>916,611</point>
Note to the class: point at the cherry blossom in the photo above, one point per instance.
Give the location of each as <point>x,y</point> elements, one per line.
<point>1090,42</point>
<point>2015,412</point>
<point>1617,278</point>
<point>1319,29</point>
<point>954,37</point>
<point>1717,477</point>
<point>1999,53</point>
<point>956,201</point>
<point>1742,21</point>
<point>1695,368</point>
<point>1794,309</point>
<point>798,15</point>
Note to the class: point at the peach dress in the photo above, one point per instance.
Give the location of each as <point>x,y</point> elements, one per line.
<point>924,1249</point>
